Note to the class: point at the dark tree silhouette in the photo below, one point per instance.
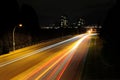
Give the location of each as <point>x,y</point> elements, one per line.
<point>110,34</point>
<point>29,19</point>
<point>8,18</point>
<point>9,14</point>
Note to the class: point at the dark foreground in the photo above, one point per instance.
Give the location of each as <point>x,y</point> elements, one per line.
<point>97,66</point>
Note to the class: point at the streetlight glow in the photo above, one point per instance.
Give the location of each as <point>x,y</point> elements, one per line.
<point>20,25</point>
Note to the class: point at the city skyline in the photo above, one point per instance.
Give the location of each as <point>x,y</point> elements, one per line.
<point>48,11</point>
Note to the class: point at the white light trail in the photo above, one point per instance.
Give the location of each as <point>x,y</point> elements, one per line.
<point>40,50</point>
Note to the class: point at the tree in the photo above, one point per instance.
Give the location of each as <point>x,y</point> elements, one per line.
<point>110,33</point>
<point>29,18</point>
<point>9,18</point>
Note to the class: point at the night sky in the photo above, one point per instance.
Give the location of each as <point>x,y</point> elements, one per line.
<point>92,10</point>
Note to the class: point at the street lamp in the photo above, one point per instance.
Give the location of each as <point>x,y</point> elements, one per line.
<point>20,25</point>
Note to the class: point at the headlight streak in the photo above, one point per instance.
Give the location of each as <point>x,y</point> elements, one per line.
<point>84,59</point>
<point>68,54</point>
<point>43,66</point>
<point>68,67</point>
<point>47,63</point>
<point>56,71</point>
<point>62,63</point>
<point>51,67</point>
<point>39,50</point>
<point>73,49</point>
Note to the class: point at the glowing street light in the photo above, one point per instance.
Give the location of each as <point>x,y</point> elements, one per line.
<point>20,25</point>
<point>89,31</point>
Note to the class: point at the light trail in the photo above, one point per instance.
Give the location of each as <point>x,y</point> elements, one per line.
<point>54,62</point>
<point>60,62</point>
<point>69,55</point>
<point>40,50</point>
<point>73,51</point>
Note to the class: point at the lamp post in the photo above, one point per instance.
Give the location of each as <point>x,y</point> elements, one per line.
<point>20,25</point>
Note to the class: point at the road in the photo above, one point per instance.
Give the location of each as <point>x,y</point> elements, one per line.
<point>47,61</point>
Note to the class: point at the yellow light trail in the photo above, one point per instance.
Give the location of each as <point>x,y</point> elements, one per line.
<point>48,62</point>
<point>55,65</point>
<point>59,59</point>
<point>73,49</point>
<point>75,46</point>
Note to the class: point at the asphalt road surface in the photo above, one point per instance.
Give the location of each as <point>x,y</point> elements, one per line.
<point>52,60</point>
